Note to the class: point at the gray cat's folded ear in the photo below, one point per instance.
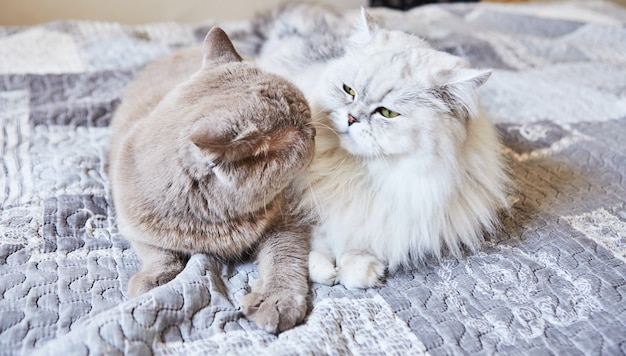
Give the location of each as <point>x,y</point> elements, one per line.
<point>225,146</point>
<point>218,48</point>
<point>234,147</point>
<point>459,93</point>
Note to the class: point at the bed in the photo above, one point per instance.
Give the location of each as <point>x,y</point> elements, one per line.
<point>552,281</point>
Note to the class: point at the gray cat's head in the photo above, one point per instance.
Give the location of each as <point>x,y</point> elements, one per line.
<point>242,133</point>
<point>392,94</point>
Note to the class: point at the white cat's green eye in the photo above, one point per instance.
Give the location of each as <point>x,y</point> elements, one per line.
<point>349,90</point>
<point>387,113</point>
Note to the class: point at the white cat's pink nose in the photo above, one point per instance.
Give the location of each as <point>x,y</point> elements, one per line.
<point>351,119</point>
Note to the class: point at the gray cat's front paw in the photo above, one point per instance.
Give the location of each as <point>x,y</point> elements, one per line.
<point>144,281</point>
<point>275,312</point>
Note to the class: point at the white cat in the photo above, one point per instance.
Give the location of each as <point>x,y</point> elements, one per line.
<point>405,166</point>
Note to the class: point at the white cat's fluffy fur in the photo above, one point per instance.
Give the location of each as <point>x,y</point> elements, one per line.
<point>386,192</point>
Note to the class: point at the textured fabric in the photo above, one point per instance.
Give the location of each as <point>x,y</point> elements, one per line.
<point>553,281</point>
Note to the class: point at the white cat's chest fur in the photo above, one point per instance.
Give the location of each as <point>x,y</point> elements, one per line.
<point>389,207</point>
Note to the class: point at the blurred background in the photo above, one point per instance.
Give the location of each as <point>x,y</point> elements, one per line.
<point>28,12</point>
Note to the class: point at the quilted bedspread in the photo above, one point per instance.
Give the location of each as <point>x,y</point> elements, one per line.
<point>553,281</point>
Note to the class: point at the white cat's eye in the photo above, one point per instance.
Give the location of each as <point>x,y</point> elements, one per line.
<point>386,112</point>
<point>349,90</point>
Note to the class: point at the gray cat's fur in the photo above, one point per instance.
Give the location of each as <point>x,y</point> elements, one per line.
<point>202,156</point>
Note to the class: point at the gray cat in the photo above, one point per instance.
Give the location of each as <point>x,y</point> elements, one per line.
<point>201,161</point>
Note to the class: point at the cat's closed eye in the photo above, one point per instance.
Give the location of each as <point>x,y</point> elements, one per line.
<point>386,112</point>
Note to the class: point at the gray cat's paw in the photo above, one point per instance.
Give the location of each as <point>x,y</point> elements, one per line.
<point>360,271</point>
<point>275,312</point>
<point>144,281</point>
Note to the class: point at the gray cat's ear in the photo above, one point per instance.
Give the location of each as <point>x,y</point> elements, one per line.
<point>225,147</point>
<point>366,28</point>
<point>459,93</point>
<point>218,48</point>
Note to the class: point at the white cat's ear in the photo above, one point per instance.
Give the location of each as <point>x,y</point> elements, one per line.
<point>459,93</point>
<point>366,28</point>
<point>218,48</point>
<point>472,77</point>
<point>369,23</point>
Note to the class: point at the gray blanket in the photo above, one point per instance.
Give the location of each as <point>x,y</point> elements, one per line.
<point>553,281</point>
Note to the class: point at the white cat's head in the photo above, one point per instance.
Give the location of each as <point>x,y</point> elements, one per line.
<point>392,94</point>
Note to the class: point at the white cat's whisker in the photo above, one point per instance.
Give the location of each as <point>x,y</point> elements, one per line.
<point>319,125</point>
<point>336,170</point>
<point>315,200</point>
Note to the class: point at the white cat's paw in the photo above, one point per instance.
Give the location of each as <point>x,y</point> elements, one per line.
<point>360,271</point>
<point>322,268</point>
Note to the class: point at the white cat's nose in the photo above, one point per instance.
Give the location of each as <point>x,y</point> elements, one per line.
<point>351,119</point>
